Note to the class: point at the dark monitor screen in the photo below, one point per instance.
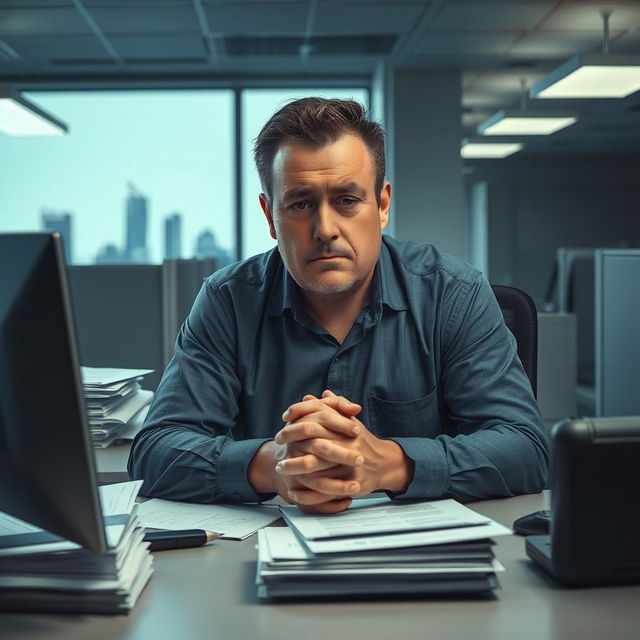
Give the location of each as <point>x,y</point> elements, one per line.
<point>47,469</point>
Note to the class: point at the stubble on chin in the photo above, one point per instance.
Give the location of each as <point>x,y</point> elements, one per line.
<point>328,288</point>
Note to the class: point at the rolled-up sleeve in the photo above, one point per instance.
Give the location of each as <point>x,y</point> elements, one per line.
<point>185,450</point>
<point>499,446</point>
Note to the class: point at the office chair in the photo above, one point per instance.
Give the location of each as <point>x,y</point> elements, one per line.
<point>521,318</point>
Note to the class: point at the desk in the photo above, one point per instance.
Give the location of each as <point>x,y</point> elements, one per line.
<point>111,463</point>
<point>209,592</point>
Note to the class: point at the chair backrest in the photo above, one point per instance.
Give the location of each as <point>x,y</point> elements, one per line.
<point>521,318</point>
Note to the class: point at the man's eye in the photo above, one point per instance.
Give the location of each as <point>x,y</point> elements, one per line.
<point>348,202</point>
<point>300,206</point>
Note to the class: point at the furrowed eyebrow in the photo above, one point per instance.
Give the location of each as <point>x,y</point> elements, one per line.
<point>297,194</point>
<point>350,187</point>
<point>305,192</point>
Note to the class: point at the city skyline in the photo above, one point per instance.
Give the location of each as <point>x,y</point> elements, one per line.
<point>135,247</point>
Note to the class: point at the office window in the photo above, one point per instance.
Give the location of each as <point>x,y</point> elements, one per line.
<point>142,175</point>
<point>258,105</point>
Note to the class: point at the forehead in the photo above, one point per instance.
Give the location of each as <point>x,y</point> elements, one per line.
<point>346,159</point>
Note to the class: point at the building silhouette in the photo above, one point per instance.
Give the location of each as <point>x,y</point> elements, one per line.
<point>61,222</point>
<point>207,247</point>
<point>109,254</point>
<point>172,236</point>
<point>135,249</point>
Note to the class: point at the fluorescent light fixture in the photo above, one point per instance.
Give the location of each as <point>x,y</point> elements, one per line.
<point>591,76</point>
<point>489,149</point>
<point>20,117</point>
<point>526,123</point>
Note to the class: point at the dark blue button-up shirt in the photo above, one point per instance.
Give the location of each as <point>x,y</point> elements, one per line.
<point>429,359</point>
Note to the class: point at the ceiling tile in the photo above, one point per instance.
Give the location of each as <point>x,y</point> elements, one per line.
<point>166,46</point>
<point>556,44</point>
<point>133,3</point>
<point>374,18</point>
<point>138,19</point>
<point>628,43</point>
<point>38,20</point>
<point>21,4</point>
<point>583,16</point>
<point>464,43</point>
<point>44,48</point>
<point>490,16</point>
<point>252,18</point>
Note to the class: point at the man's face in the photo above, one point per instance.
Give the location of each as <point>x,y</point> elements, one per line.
<point>325,216</point>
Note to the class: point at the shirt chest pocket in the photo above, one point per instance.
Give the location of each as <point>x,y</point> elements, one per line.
<point>411,418</point>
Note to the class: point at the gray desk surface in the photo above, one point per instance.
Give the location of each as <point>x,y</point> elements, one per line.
<point>209,592</point>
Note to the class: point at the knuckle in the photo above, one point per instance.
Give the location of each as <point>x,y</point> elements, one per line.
<point>324,447</point>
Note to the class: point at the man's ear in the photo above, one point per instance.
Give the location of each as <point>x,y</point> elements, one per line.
<point>385,204</point>
<point>266,208</point>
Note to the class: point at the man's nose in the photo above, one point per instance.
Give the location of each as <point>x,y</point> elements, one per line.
<point>325,224</point>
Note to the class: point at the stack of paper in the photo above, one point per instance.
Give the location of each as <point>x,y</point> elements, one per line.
<point>116,405</point>
<point>379,547</point>
<point>42,572</point>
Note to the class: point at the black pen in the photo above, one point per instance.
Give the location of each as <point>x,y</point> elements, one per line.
<point>163,540</point>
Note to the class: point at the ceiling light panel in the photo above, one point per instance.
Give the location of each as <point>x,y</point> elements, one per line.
<point>526,123</point>
<point>601,76</point>
<point>489,149</point>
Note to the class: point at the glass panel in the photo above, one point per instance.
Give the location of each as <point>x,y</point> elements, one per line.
<point>258,105</point>
<point>131,160</point>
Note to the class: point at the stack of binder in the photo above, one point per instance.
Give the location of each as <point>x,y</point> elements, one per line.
<point>44,573</point>
<point>378,547</point>
<point>116,403</point>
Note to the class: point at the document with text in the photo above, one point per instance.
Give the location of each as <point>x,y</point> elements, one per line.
<point>366,518</point>
<point>368,526</point>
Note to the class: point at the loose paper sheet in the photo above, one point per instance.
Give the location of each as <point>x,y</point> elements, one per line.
<point>234,523</point>
<point>364,518</point>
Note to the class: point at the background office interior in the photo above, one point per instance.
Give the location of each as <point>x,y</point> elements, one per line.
<point>163,97</point>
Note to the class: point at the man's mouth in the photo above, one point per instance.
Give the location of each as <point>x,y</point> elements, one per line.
<point>328,256</point>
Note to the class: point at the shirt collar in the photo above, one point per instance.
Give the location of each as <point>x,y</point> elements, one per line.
<point>392,292</point>
<point>283,294</point>
<point>386,287</point>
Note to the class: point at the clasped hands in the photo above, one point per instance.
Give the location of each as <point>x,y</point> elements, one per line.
<point>324,456</point>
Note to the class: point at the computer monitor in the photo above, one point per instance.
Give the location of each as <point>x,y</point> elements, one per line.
<point>47,469</point>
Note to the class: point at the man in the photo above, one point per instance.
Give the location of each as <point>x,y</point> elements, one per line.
<point>389,363</point>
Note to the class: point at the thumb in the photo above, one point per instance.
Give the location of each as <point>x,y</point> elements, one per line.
<point>340,403</point>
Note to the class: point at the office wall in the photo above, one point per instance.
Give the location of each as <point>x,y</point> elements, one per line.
<point>537,204</point>
<point>424,149</point>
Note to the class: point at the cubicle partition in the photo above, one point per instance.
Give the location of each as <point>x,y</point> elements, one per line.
<point>617,332</point>
<point>602,288</point>
<point>129,315</point>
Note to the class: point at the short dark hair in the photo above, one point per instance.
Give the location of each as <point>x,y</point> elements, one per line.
<point>315,122</point>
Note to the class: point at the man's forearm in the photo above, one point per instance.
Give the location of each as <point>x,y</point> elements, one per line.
<point>261,472</point>
<point>217,466</point>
